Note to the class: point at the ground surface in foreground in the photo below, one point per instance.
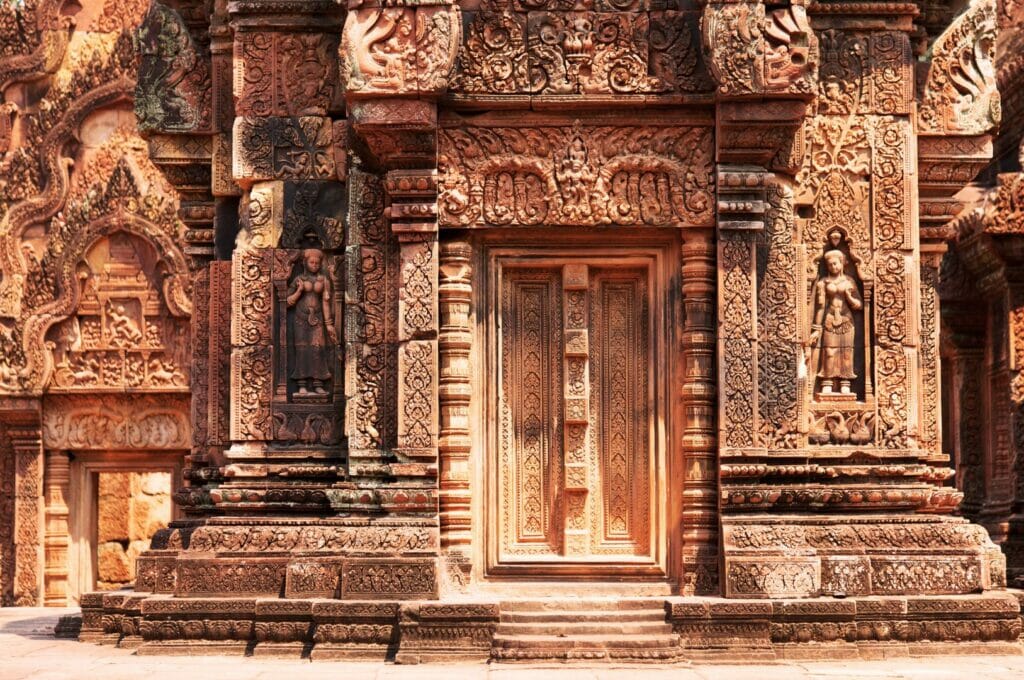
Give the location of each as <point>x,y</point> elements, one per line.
<point>29,650</point>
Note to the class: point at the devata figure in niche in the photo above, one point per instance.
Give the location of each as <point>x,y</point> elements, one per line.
<point>836,298</point>
<point>312,326</point>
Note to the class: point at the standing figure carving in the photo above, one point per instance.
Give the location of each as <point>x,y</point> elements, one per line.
<point>833,331</point>
<point>312,326</point>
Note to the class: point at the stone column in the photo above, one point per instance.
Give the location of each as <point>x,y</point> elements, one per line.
<point>56,481</point>
<point>454,394</point>
<point>700,484</point>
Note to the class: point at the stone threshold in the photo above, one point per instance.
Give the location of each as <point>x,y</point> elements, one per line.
<point>560,629</point>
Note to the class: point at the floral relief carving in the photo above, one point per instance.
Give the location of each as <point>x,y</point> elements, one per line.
<point>286,73</point>
<point>777,323</point>
<point>578,175</point>
<point>736,339</point>
<point>112,422</point>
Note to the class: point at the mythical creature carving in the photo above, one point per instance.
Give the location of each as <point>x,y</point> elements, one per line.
<point>173,92</point>
<point>399,50</point>
<point>960,95</point>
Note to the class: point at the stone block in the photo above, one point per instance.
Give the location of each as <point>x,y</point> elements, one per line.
<point>112,563</point>
<point>114,484</point>
<point>772,577</point>
<point>399,579</point>
<point>113,518</point>
<point>155,483</point>
<point>149,514</point>
<point>282,148</point>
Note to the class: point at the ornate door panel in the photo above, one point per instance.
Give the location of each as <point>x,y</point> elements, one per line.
<point>575,454</point>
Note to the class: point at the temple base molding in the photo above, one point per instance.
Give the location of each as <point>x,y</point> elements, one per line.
<point>663,630</point>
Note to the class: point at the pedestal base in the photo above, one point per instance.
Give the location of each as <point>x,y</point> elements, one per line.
<point>857,555</point>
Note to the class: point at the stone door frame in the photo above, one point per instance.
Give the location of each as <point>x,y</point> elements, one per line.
<point>661,249</point>
<point>83,500</point>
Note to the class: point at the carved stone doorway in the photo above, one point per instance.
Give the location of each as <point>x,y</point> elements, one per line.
<point>578,411</point>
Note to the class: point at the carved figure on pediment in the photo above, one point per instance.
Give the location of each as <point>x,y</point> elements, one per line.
<point>124,331</point>
<point>164,372</point>
<point>833,331</point>
<point>309,294</point>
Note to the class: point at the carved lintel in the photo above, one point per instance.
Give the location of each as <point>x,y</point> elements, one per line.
<point>769,134</point>
<point>945,165</point>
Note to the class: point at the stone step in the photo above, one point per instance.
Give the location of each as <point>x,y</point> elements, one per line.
<point>589,641</point>
<point>573,629</point>
<point>582,604</point>
<point>590,616</point>
<point>558,655</point>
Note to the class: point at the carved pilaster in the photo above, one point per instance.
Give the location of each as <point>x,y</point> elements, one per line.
<point>413,217</point>
<point>21,420</point>
<point>931,380</point>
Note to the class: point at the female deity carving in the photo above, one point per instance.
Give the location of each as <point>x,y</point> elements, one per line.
<point>836,298</point>
<point>312,326</point>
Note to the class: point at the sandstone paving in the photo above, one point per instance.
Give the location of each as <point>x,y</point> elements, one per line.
<point>29,651</point>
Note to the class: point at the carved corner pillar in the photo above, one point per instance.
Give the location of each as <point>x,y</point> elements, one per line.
<point>22,521</point>
<point>413,218</point>
<point>394,61</point>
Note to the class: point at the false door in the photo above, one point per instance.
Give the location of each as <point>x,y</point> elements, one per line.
<point>576,469</point>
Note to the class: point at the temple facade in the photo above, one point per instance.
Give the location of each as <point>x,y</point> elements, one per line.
<point>514,329</point>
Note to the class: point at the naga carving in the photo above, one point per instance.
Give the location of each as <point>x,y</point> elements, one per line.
<point>173,92</point>
<point>391,49</point>
<point>960,95</point>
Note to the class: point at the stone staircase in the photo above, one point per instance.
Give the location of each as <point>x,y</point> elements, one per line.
<point>599,629</point>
